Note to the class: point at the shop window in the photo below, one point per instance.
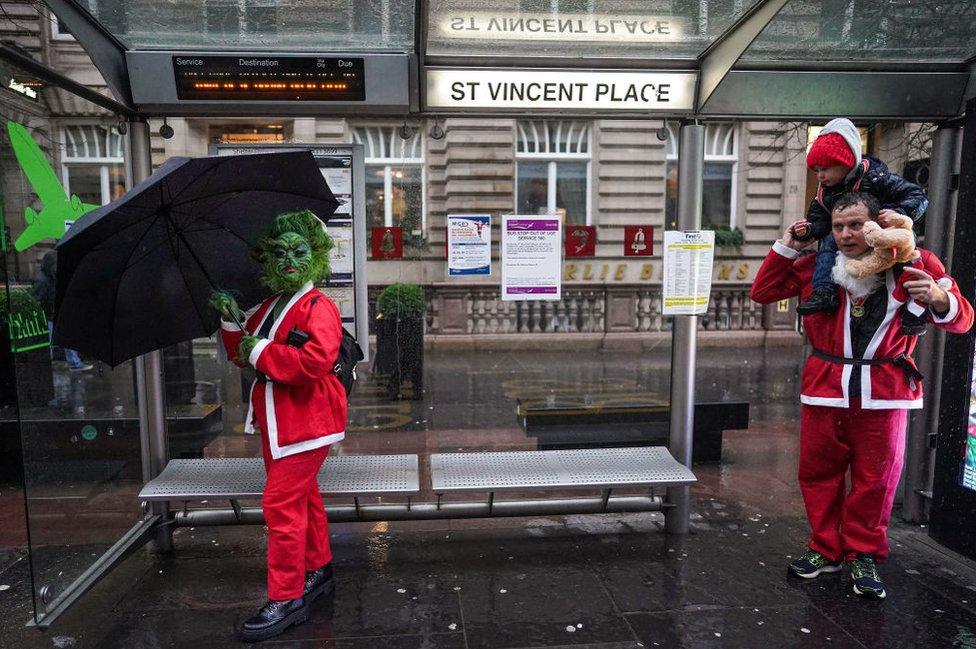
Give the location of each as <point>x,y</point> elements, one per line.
<point>718,190</point>
<point>552,169</point>
<point>92,165</point>
<point>395,178</point>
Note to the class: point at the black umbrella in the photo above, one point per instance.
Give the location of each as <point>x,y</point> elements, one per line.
<point>136,275</point>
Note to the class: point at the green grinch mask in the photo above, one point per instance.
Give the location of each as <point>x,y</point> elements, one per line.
<point>293,252</point>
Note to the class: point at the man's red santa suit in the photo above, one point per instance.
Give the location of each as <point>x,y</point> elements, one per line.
<point>854,414</point>
<point>300,407</point>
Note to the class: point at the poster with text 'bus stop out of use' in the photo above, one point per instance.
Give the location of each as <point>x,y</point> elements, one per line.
<point>688,258</point>
<point>531,257</point>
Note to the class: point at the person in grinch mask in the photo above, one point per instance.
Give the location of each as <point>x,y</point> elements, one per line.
<point>299,407</point>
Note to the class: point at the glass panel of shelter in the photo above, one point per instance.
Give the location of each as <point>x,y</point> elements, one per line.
<point>72,420</point>
<point>299,25</point>
<point>882,30</point>
<point>676,29</point>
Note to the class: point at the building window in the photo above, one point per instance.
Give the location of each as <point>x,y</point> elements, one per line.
<point>59,31</point>
<point>396,193</point>
<point>92,165</point>
<point>552,169</point>
<point>718,190</point>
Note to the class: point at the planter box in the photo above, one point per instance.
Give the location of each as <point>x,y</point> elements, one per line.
<point>400,353</point>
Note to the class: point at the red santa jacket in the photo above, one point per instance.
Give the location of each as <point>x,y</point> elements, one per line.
<point>825,383</point>
<point>301,405</point>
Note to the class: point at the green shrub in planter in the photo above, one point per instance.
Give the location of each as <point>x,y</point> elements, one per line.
<point>400,337</point>
<point>401,301</point>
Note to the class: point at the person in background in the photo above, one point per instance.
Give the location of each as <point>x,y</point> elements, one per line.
<point>43,291</point>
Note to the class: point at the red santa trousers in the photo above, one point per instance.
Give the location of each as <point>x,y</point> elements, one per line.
<point>298,531</point>
<point>871,443</point>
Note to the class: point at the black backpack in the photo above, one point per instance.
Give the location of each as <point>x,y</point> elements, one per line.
<point>350,353</point>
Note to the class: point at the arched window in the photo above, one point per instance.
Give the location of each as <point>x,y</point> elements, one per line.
<point>553,169</point>
<point>718,192</point>
<point>395,189</point>
<point>92,165</point>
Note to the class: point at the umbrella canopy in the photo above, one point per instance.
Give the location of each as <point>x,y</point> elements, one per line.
<point>136,275</point>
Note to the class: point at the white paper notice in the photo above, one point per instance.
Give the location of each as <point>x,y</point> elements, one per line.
<point>687,271</point>
<point>468,244</point>
<point>531,257</point>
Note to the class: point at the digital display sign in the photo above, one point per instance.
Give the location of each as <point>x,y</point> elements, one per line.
<point>968,475</point>
<point>270,78</point>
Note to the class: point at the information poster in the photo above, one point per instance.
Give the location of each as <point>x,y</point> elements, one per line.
<point>688,260</point>
<point>468,244</point>
<point>531,257</point>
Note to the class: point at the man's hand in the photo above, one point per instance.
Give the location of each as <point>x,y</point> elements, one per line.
<point>225,304</point>
<point>247,345</point>
<point>925,290</point>
<point>886,214</point>
<point>789,238</point>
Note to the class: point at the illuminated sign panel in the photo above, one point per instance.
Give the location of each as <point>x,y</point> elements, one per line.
<point>564,27</point>
<point>560,90</point>
<point>26,88</point>
<point>269,78</point>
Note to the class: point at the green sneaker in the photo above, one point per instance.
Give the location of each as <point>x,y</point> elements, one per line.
<point>864,575</point>
<point>812,564</point>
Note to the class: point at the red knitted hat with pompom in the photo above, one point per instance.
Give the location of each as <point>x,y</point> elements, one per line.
<point>828,150</point>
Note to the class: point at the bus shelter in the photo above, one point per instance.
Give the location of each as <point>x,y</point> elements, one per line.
<point>686,63</point>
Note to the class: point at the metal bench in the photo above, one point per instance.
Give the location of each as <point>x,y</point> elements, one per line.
<point>235,479</point>
<point>581,469</point>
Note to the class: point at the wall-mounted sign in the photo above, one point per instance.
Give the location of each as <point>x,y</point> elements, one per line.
<point>531,260</point>
<point>386,243</point>
<point>638,241</point>
<point>26,88</point>
<point>475,88</point>
<point>528,26</point>
<point>688,260</point>
<point>468,244</point>
<point>580,241</point>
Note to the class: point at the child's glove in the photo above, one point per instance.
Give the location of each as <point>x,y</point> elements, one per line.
<point>802,231</point>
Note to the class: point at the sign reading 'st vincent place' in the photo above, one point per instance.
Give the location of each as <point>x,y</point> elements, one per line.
<point>473,88</point>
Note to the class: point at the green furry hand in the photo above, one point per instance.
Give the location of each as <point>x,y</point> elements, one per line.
<point>248,343</point>
<point>224,303</point>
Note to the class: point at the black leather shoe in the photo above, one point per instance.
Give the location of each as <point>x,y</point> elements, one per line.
<point>318,582</point>
<point>819,300</point>
<point>912,325</point>
<point>273,618</point>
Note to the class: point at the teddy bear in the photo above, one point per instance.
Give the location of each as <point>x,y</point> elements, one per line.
<point>890,245</point>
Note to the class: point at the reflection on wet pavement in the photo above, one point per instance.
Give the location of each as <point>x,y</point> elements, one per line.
<point>597,581</point>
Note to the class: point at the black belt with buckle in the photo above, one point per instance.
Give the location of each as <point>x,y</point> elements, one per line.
<point>904,361</point>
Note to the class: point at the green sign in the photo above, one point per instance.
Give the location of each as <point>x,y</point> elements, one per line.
<point>58,210</point>
<point>89,432</point>
<point>26,321</point>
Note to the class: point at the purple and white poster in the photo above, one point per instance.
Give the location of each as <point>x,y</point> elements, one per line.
<point>468,244</point>
<point>531,257</point>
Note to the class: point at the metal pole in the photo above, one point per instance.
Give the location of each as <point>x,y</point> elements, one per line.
<point>691,168</point>
<point>939,223</point>
<point>149,367</point>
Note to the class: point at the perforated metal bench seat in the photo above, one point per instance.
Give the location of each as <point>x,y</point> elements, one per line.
<point>242,478</point>
<point>563,469</point>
